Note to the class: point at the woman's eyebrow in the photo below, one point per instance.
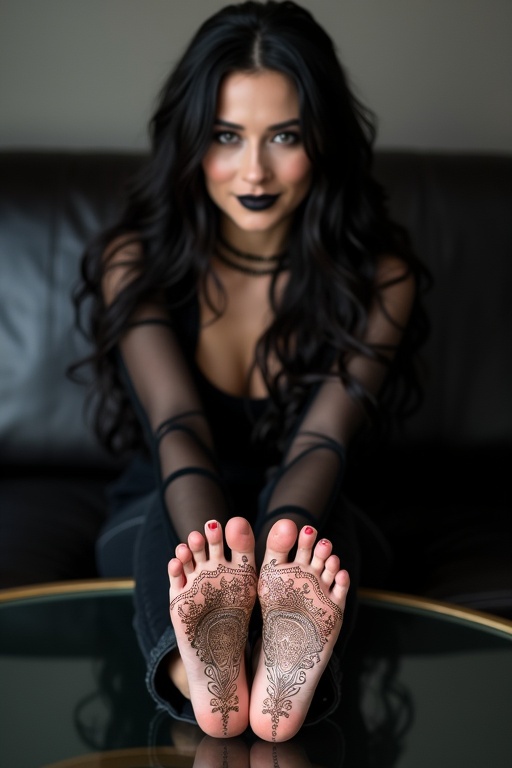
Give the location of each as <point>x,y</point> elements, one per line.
<point>286,124</point>
<point>277,127</point>
<point>227,124</point>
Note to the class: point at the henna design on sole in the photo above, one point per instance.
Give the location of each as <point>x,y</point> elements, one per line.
<point>298,619</point>
<point>215,612</point>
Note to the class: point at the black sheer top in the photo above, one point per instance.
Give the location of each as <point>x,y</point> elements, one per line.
<point>201,438</point>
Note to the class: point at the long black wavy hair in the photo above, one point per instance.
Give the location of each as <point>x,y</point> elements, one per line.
<point>339,230</point>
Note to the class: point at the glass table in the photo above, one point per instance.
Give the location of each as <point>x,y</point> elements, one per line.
<point>425,684</point>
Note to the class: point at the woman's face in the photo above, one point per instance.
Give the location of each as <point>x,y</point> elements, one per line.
<point>256,169</point>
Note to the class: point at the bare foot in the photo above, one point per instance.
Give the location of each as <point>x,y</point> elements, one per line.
<point>211,601</point>
<point>302,605</point>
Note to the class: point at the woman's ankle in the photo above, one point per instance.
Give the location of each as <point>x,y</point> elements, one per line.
<point>177,673</point>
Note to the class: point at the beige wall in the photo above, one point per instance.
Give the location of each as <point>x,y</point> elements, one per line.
<point>84,73</point>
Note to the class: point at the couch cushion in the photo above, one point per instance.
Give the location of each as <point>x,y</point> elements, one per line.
<point>49,522</point>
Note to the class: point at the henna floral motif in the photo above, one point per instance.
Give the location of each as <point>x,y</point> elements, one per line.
<point>217,628</point>
<point>295,630</point>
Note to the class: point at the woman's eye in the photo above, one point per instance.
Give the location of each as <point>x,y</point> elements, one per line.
<point>287,137</point>
<point>226,137</point>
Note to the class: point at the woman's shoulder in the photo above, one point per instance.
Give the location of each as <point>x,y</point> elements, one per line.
<point>121,264</point>
<point>395,289</point>
<point>395,276</point>
<point>390,267</point>
<point>123,245</point>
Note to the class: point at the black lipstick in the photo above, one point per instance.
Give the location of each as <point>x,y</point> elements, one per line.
<point>257,202</point>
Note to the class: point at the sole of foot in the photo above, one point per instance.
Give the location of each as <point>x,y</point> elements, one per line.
<point>302,604</point>
<point>211,600</point>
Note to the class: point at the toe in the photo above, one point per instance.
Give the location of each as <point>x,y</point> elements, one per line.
<point>280,540</point>
<point>197,546</point>
<point>322,551</point>
<point>306,540</point>
<point>332,566</point>
<point>239,538</point>
<point>186,558</point>
<point>177,578</point>
<point>213,533</point>
<point>340,588</point>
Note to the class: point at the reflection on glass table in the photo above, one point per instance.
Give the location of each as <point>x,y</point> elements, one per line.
<point>424,685</point>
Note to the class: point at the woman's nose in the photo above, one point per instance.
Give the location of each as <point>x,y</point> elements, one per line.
<point>255,165</point>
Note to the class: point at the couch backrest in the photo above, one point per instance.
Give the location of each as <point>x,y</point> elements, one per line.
<point>51,204</point>
<point>457,208</point>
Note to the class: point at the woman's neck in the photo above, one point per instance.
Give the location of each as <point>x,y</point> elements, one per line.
<point>250,263</point>
<point>264,244</point>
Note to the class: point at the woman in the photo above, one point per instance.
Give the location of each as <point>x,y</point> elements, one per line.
<point>248,308</point>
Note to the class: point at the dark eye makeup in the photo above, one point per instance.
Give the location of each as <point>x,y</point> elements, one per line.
<point>286,138</point>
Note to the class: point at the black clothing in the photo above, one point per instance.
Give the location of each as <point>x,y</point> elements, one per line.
<point>204,460</point>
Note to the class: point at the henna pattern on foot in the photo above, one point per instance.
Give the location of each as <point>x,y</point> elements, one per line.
<point>295,631</point>
<point>217,628</point>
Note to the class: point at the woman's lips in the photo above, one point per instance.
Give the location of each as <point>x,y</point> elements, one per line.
<point>257,202</point>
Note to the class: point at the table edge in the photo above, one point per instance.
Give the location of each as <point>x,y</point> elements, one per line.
<point>368,596</point>
<point>429,605</point>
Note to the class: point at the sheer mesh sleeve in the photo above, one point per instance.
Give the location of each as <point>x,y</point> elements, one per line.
<point>308,483</point>
<point>168,406</point>
<point>163,393</point>
<point>309,479</point>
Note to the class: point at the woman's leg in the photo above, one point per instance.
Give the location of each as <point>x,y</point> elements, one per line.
<point>302,601</point>
<point>211,604</point>
<point>138,541</point>
<point>340,530</point>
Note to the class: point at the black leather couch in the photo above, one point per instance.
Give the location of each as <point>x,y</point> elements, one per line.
<point>440,489</point>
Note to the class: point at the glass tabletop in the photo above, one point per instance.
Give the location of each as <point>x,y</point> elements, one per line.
<point>425,684</point>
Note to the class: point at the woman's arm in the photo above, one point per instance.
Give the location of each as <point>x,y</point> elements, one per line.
<point>309,479</point>
<point>164,395</point>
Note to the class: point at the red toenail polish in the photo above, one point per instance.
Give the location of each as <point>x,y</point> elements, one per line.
<point>212,526</point>
<point>309,530</point>
<point>325,541</point>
